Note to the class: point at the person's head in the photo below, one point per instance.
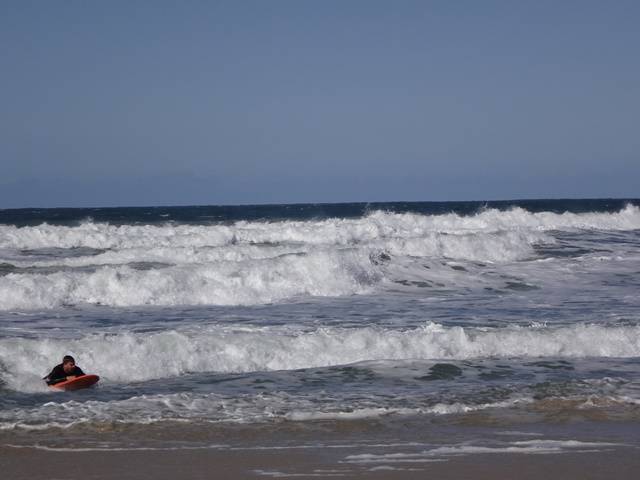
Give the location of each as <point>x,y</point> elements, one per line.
<point>68,364</point>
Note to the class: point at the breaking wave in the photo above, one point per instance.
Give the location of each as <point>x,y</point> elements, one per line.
<point>247,263</point>
<point>375,226</point>
<point>240,350</point>
<point>223,283</point>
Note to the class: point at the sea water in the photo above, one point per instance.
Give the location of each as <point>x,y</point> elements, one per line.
<point>264,315</point>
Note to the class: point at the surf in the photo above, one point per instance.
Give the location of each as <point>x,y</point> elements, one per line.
<point>218,349</point>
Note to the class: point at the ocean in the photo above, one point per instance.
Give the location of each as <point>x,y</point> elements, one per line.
<point>415,330</point>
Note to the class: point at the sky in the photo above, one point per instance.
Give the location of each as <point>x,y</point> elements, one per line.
<point>244,102</point>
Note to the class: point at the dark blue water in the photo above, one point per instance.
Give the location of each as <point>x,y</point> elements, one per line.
<point>202,215</point>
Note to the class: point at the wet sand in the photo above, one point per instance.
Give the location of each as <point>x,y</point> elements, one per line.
<point>33,464</point>
<point>408,448</point>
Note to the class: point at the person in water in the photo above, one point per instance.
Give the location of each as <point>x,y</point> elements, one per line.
<point>67,370</point>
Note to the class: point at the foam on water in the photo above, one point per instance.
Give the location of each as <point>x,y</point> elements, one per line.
<point>374,226</point>
<point>225,283</point>
<point>172,353</point>
<point>248,263</point>
<point>495,247</point>
<point>437,409</point>
<point>237,275</point>
<point>528,447</point>
<point>215,408</point>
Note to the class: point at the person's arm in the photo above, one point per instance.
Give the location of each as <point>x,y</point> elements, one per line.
<point>77,372</point>
<point>57,375</point>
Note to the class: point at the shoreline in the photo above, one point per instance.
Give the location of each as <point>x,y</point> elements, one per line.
<point>34,464</point>
<point>408,449</point>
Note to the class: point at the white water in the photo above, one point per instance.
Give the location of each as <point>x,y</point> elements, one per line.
<point>250,263</point>
<point>526,447</point>
<point>213,408</point>
<point>131,357</point>
<point>222,283</point>
<point>377,225</point>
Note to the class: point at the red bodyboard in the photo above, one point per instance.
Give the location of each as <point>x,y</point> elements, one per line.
<point>83,381</point>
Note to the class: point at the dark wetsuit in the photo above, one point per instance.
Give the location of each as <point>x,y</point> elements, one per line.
<point>58,374</point>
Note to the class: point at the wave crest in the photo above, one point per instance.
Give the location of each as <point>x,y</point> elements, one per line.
<point>218,349</point>
<point>377,225</point>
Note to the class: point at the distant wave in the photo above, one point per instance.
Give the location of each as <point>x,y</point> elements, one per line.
<point>375,226</point>
<point>223,283</point>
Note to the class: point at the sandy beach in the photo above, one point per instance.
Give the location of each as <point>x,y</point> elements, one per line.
<point>34,464</point>
<point>358,450</point>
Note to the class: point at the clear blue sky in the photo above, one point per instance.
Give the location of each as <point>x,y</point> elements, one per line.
<point>233,102</point>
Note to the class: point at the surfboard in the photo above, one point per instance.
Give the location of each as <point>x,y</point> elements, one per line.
<point>83,381</point>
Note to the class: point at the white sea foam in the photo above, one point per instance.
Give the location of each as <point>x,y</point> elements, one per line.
<point>213,408</point>
<point>218,349</point>
<point>240,275</point>
<point>532,447</point>
<point>370,412</point>
<point>224,283</point>
<point>377,225</point>
<point>492,247</point>
<point>131,448</point>
<point>353,414</point>
<point>148,409</point>
<point>246,263</point>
